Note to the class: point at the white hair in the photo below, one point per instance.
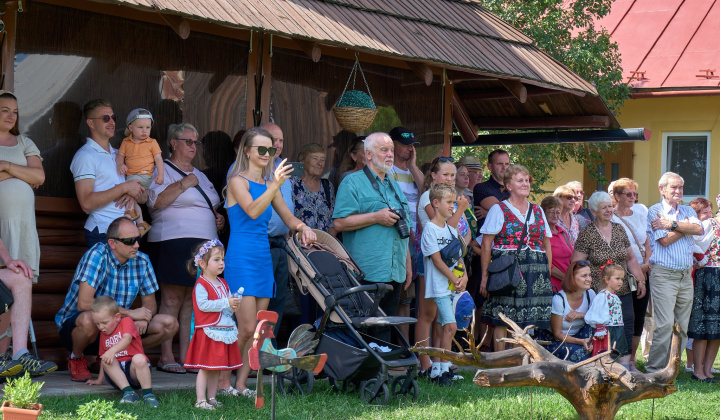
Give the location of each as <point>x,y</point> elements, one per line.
<point>597,198</point>
<point>575,185</point>
<point>667,176</point>
<point>372,138</point>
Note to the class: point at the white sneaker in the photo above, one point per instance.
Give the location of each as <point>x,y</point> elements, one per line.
<point>713,370</point>
<point>690,368</point>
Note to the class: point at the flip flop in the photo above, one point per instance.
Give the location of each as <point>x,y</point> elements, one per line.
<point>172,368</point>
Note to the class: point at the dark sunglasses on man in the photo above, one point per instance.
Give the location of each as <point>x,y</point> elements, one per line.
<point>106,118</point>
<point>128,241</point>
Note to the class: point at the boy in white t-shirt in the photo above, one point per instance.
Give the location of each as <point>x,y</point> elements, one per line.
<point>439,277</point>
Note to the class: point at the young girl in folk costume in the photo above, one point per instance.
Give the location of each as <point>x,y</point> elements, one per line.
<point>214,344</point>
<point>606,313</point>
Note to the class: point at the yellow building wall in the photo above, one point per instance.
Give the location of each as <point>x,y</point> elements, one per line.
<point>662,115</point>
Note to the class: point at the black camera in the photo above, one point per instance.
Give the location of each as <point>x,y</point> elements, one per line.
<point>401,225</point>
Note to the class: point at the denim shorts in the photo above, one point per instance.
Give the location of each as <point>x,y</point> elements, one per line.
<point>445,313</point>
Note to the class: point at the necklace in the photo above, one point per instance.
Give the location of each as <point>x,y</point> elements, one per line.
<point>605,238</point>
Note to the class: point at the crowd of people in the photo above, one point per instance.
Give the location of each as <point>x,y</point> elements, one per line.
<point>587,274</point>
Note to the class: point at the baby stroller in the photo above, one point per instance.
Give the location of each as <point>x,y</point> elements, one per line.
<point>331,276</point>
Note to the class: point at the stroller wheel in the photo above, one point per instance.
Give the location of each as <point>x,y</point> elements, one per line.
<point>399,389</point>
<point>295,380</point>
<point>366,392</point>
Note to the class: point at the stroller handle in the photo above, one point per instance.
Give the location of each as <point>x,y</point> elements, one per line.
<point>380,290</point>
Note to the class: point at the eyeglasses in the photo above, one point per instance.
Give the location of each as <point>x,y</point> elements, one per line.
<point>569,197</point>
<point>106,118</point>
<point>629,194</point>
<point>553,212</point>
<point>581,192</point>
<point>128,241</point>
<point>262,150</point>
<point>190,142</point>
<point>583,263</point>
<point>446,159</point>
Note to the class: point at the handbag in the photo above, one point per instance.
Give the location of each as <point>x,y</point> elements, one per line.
<point>454,251</point>
<point>6,298</point>
<point>504,274</point>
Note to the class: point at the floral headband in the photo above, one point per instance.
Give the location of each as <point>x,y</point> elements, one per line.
<point>204,249</point>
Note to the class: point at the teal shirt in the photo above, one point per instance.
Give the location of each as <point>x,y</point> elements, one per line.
<point>377,249</point>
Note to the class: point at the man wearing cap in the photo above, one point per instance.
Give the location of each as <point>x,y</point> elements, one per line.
<point>474,173</point>
<point>487,194</point>
<point>102,192</point>
<point>368,206</point>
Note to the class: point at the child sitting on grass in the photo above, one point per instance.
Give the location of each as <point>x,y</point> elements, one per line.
<point>138,155</point>
<point>606,313</point>
<point>439,278</point>
<point>123,361</point>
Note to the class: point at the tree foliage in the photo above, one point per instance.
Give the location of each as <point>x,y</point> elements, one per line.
<point>564,29</point>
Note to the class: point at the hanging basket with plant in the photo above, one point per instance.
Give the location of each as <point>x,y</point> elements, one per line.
<point>355,110</point>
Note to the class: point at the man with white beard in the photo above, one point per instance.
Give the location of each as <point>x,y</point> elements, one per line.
<point>370,209</point>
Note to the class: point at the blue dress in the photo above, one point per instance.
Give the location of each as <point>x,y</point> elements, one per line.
<point>248,262</point>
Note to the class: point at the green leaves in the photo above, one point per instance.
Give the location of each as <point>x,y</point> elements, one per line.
<point>22,392</point>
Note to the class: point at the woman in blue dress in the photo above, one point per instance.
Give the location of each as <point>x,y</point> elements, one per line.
<point>252,187</point>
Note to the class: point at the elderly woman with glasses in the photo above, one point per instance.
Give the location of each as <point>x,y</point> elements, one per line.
<point>182,218</point>
<point>562,248</point>
<point>603,241</point>
<point>567,220</point>
<point>632,217</point>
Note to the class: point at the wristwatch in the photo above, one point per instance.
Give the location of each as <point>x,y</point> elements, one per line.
<point>674,226</point>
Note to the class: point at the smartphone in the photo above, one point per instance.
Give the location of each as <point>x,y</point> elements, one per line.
<point>298,168</point>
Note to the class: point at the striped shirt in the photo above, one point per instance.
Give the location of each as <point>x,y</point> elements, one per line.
<point>678,255</point>
<point>102,271</point>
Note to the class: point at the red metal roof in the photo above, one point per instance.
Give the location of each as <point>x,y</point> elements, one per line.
<point>671,41</point>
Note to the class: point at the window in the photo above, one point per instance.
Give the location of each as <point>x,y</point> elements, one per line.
<point>688,154</point>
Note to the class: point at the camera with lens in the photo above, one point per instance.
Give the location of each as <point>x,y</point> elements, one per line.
<point>401,225</point>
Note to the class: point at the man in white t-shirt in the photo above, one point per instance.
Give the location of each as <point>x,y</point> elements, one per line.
<point>102,192</point>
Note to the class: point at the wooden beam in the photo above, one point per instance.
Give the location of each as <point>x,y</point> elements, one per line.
<point>448,92</point>
<point>517,89</point>
<point>266,78</point>
<point>8,48</point>
<point>462,120</point>
<point>251,93</point>
<point>311,49</point>
<point>177,23</point>
<point>460,76</point>
<point>423,71</point>
<point>492,94</point>
<point>542,122</point>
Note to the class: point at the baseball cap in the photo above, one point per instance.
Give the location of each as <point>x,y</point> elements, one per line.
<point>134,115</point>
<point>464,306</point>
<point>403,135</point>
<point>470,162</point>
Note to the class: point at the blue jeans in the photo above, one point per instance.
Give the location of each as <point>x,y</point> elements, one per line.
<point>94,236</point>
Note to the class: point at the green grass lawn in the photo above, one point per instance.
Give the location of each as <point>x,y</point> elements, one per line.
<point>465,400</point>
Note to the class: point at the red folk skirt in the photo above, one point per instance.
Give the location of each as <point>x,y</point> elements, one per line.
<point>208,354</point>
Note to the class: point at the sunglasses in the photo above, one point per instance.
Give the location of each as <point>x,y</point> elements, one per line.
<point>190,142</point>
<point>262,150</point>
<point>446,159</point>
<point>106,118</point>
<point>583,263</point>
<point>128,241</point>
<point>569,197</point>
<point>629,194</point>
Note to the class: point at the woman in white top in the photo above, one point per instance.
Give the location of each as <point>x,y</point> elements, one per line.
<point>569,307</point>
<point>529,304</point>
<point>633,217</point>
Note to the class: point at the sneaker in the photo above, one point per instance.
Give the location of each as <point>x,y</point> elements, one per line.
<point>130,398</point>
<point>444,379</point>
<point>35,366</point>
<point>10,367</point>
<point>423,374</point>
<point>690,368</point>
<point>150,400</point>
<point>713,370</point>
<point>78,368</point>
<point>456,377</point>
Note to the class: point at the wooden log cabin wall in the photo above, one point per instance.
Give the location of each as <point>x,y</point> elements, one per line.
<point>61,62</point>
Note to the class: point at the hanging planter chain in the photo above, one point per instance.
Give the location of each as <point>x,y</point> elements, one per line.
<point>353,76</point>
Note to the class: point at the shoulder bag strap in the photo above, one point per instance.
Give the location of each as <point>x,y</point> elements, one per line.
<point>207,199</point>
<point>525,228</point>
<point>640,247</point>
<point>326,187</point>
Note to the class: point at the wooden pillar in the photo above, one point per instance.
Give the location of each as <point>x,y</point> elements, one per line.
<point>266,77</point>
<point>448,89</point>
<point>8,48</point>
<point>252,70</point>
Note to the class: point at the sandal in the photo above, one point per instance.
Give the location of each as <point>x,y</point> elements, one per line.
<point>216,404</point>
<point>203,404</point>
<point>229,391</point>
<point>144,228</point>
<point>247,392</point>
<point>132,215</point>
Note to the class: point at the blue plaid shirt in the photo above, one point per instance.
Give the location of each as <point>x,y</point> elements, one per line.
<point>101,270</point>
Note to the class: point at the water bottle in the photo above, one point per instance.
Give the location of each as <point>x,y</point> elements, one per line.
<point>238,294</point>
<point>458,270</point>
